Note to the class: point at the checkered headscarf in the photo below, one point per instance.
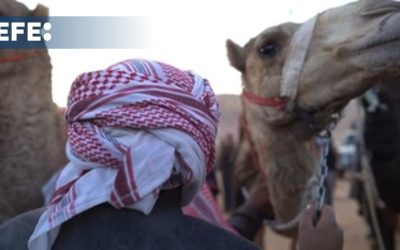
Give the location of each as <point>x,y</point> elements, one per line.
<point>138,94</point>
<point>133,129</point>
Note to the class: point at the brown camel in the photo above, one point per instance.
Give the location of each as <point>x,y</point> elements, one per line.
<point>350,47</point>
<point>31,132</point>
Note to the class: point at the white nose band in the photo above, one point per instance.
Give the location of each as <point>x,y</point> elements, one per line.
<point>298,49</point>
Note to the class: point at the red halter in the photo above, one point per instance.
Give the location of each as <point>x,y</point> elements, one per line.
<point>19,57</point>
<point>275,102</point>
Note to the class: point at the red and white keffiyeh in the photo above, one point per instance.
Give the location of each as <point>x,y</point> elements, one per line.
<point>133,129</point>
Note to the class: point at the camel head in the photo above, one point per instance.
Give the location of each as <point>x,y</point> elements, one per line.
<point>351,48</point>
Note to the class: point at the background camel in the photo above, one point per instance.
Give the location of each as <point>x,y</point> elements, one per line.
<point>351,47</point>
<point>31,131</point>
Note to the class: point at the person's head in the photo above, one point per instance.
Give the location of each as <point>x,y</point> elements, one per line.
<point>175,110</point>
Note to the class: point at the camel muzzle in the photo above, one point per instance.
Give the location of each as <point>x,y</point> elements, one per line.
<point>291,74</point>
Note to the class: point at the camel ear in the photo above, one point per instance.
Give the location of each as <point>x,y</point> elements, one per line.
<point>235,55</point>
<point>40,10</point>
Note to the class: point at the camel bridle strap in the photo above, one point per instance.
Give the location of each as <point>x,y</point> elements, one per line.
<point>297,53</point>
<point>291,75</point>
<point>292,70</point>
<point>19,57</point>
<point>274,102</point>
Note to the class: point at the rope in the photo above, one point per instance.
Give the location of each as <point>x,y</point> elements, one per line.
<point>371,202</point>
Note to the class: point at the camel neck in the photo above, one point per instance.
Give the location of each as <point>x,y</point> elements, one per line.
<point>289,160</point>
<point>286,146</point>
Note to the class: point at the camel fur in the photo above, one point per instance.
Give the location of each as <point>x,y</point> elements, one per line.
<point>32,133</point>
<point>352,46</point>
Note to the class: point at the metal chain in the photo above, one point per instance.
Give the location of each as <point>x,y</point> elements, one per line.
<point>324,139</point>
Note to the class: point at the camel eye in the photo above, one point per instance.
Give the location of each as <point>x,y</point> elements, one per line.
<point>268,50</point>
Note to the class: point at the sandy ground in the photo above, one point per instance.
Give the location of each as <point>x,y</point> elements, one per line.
<point>355,229</point>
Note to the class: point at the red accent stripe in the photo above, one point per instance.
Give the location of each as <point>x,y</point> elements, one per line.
<point>19,57</point>
<point>61,191</point>
<point>72,204</point>
<point>115,199</point>
<point>274,102</point>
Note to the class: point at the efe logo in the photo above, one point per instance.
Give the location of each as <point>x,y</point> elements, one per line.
<point>29,31</point>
